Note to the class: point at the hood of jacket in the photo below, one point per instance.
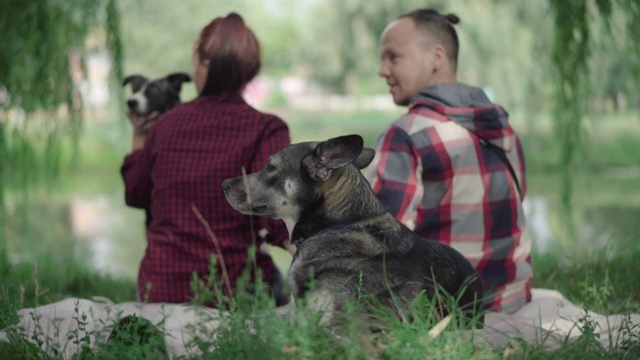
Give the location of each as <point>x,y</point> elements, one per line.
<point>469,107</point>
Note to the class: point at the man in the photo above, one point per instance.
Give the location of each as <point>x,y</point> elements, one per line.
<point>452,168</point>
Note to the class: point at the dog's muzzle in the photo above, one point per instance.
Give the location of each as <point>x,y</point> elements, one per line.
<point>133,105</point>
<point>233,191</point>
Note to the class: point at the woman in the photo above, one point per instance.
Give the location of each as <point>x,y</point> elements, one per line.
<point>176,169</point>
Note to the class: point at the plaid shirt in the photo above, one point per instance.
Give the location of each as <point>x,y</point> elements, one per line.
<point>434,174</point>
<point>188,153</point>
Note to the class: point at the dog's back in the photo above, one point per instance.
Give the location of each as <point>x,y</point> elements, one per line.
<point>382,262</point>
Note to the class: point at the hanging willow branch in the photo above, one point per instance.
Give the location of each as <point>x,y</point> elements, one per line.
<point>570,57</point>
<point>113,40</point>
<point>41,63</point>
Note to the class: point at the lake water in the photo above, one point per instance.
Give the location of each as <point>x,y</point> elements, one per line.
<point>111,236</point>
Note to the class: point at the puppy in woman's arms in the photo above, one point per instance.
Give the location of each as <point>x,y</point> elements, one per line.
<point>150,98</point>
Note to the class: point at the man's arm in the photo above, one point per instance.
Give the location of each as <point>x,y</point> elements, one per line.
<point>396,175</point>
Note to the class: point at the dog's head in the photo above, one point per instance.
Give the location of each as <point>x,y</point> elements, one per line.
<point>159,95</point>
<point>295,177</point>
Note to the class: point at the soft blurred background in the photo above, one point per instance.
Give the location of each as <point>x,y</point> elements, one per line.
<point>567,71</point>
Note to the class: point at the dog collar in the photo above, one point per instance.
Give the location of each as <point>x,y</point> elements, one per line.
<point>340,225</point>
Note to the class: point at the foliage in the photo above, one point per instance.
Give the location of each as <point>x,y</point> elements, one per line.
<point>570,59</point>
<point>54,276</point>
<point>41,69</point>
<point>40,100</point>
<point>347,62</point>
<point>572,50</point>
<point>599,283</point>
<point>159,41</point>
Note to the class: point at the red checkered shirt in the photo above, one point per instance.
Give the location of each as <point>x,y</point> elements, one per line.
<point>188,153</point>
<point>433,172</point>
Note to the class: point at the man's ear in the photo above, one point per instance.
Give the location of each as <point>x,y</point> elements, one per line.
<point>332,154</point>
<point>440,57</point>
<point>364,159</point>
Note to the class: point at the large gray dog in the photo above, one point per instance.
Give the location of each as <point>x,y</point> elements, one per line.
<point>346,241</point>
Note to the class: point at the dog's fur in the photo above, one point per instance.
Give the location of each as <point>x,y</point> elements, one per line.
<point>346,241</point>
<point>153,97</point>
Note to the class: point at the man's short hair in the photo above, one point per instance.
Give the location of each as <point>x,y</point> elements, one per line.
<point>439,27</point>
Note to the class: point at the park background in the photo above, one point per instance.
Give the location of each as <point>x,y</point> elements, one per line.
<point>567,72</point>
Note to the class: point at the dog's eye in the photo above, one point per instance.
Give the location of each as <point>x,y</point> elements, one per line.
<point>271,168</point>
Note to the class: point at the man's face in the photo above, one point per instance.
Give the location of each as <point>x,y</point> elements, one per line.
<point>407,64</point>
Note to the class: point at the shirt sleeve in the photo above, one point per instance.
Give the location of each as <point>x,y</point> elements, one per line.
<point>136,174</point>
<point>275,137</point>
<point>395,175</point>
<point>521,168</point>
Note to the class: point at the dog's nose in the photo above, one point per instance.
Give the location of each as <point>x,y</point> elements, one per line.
<point>225,185</point>
<point>132,103</point>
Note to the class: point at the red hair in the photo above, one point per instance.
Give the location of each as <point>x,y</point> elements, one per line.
<point>234,55</point>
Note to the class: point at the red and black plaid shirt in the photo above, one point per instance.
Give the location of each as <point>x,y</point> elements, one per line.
<point>188,153</point>
<point>433,173</point>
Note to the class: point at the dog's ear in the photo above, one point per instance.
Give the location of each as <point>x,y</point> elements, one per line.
<point>332,154</point>
<point>365,158</point>
<point>136,81</point>
<point>177,79</point>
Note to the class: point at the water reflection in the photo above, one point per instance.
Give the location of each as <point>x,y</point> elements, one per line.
<point>112,235</point>
<point>113,232</point>
<point>119,252</point>
<point>535,209</point>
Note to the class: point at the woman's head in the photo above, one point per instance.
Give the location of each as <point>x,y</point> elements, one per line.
<point>226,57</point>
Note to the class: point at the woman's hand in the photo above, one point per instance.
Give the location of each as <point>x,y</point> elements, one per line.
<point>141,125</point>
<point>288,245</point>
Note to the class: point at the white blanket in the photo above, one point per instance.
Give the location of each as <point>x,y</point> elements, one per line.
<point>52,324</point>
<point>548,319</point>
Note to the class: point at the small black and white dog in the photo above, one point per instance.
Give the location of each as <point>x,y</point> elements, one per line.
<point>151,98</point>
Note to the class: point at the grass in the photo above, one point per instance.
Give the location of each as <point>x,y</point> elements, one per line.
<point>270,336</point>
<point>56,275</point>
<point>604,285</point>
